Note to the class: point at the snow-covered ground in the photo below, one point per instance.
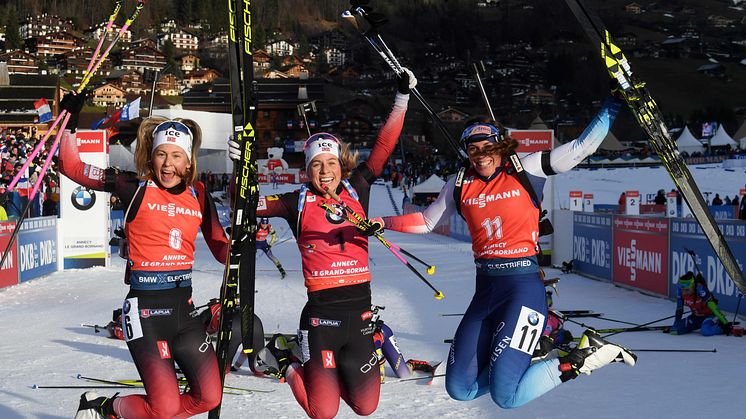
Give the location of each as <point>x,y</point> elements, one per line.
<point>607,184</point>
<point>42,342</point>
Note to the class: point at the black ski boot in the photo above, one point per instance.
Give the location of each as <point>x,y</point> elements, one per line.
<point>93,406</point>
<point>275,358</point>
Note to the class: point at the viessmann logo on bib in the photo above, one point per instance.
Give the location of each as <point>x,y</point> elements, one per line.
<point>173,210</point>
<point>483,199</point>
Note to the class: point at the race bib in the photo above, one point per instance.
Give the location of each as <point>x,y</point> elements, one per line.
<point>131,320</point>
<point>527,330</point>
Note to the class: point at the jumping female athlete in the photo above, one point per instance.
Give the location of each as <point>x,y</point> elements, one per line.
<point>336,333</point>
<point>492,348</point>
<point>165,208</point>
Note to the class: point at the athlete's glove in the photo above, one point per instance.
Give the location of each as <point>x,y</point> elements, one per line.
<point>373,226</point>
<point>73,103</point>
<point>406,81</point>
<point>234,149</point>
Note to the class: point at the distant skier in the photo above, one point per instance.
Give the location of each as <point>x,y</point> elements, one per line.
<point>266,230</point>
<point>692,291</point>
<point>494,343</point>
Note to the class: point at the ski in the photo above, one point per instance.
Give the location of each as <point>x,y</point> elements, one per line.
<point>651,120</point>
<point>579,313</point>
<point>240,268</point>
<point>664,329</point>
<point>181,380</point>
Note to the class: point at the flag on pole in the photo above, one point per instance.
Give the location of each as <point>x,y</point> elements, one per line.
<point>131,110</point>
<point>113,119</point>
<point>43,109</point>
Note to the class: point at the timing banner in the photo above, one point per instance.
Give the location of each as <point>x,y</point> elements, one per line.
<point>37,251</point>
<point>9,270</point>
<point>687,234</point>
<point>85,212</point>
<point>641,253</point>
<point>591,244</point>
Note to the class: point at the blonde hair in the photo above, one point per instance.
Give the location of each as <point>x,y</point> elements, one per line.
<point>348,159</point>
<point>143,152</point>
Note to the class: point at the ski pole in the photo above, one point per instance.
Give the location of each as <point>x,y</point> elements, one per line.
<point>362,223</point>
<point>393,248</point>
<point>36,386</point>
<point>645,324</point>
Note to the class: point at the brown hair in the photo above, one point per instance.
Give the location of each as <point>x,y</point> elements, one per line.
<point>144,151</point>
<point>505,145</point>
<point>348,159</point>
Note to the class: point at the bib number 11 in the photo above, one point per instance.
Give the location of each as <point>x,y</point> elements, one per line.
<point>493,228</point>
<point>527,330</point>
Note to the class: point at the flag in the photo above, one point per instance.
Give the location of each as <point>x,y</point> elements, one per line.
<point>43,109</point>
<point>131,110</point>
<point>113,119</point>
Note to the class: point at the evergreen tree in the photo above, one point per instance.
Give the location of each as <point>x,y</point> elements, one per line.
<point>12,35</point>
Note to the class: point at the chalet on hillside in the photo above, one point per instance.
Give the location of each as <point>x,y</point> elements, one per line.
<point>201,76</point>
<point>168,85</point>
<point>97,31</point>
<point>289,60</point>
<point>43,24</point>
<point>281,47</point>
<point>183,41</point>
<point>633,8</point>
<point>109,95</point>
<point>142,58</point>
<point>334,38</point>
<point>334,56</point>
<point>453,115</point>
<point>262,61</point>
<point>55,43</point>
<point>188,62</point>
<point>145,42</point>
<point>75,62</point>
<point>296,71</point>
<point>20,62</point>
<point>131,81</point>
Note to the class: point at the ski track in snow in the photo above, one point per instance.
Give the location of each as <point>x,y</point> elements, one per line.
<point>43,342</point>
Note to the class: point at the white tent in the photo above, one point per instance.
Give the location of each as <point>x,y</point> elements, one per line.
<point>687,142</point>
<point>216,127</point>
<point>721,138</point>
<point>433,184</point>
<point>121,157</point>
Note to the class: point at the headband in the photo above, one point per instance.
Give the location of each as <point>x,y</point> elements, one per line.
<point>320,143</point>
<point>173,132</point>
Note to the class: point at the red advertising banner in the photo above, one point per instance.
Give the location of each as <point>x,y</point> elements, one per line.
<point>9,270</point>
<point>530,141</point>
<point>91,141</point>
<point>281,178</point>
<point>641,253</point>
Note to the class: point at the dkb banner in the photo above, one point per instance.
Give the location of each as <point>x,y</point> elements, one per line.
<point>686,234</point>
<point>591,244</point>
<point>37,247</point>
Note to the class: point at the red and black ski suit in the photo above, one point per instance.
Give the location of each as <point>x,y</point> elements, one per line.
<point>335,330</point>
<point>161,227</point>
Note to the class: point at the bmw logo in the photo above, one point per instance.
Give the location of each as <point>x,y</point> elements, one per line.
<point>83,198</point>
<point>126,307</point>
<point>533,318</point>
<point>335,218</point>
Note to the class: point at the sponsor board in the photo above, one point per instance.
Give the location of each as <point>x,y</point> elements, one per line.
<point>592,244</point>
<point>37,247</point>
<point>687,234</point>
<point>9,269</point>
<point>640,253</point>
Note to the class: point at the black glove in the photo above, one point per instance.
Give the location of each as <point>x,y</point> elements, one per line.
<point>402,83</point>
<point>726,328</point>
<point>73,104</point>
<point>374,226</point>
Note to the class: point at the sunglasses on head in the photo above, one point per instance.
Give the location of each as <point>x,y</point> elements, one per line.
<point>175,125</point>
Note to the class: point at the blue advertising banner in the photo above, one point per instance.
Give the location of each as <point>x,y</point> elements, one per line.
<point>591,244</point>
<point>37,247</point>
<point>686,234</point>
